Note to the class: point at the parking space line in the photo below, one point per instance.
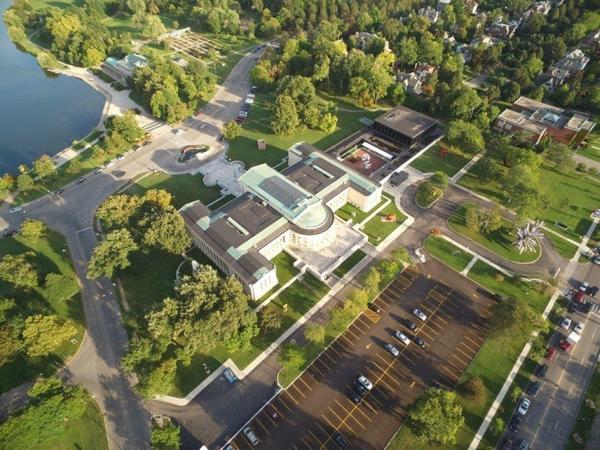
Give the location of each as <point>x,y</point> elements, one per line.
<point>313,366</point>
<point>356,324</point>
<point>269,416</point>
<point>351,416</point>
<point>397,372</point>
<point>366,403</point>
<point>347,339</point>
<point>372,316</point>
<point>474,337</point>
<point>423,332</point>
<point>319,425</point>
<point>277,410</point>
<point>335,414</point>
<point>280,398</point>
<point>335,351</point>
<point>304,442</point>
<point>262,426</point>
<point>454,355</point>
<point>363,321</point>
<point>298,389</point>
<point>383,359</point>
<point>447,369</point>
<point>290,396</point>
<point>391,378</point>
<point>471,340</point>
<point>314,437</point>
<point>348,330</point>
<point>329,422</point>
<point>465,353</point>
<point>432,323</point>
<point>450,362</point>
<point>364,414</point>
<point>304,382</point>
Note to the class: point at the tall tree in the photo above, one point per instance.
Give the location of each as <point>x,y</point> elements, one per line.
<point>437,416</point>
<point>44,334</point>
<point>111,254</point>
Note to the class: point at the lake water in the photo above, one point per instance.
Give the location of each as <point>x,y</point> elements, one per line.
<point>39,114</point>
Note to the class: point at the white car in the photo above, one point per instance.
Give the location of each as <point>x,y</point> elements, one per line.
<point>578,327</point>
<point>421,255</point>
<point>402,337</point>
<point>179,132</point>
<point>524,406</point>
<point>16,209</point>
<point>420,314</point>
<point>392,349</point>
<point>249,100</point>
<point>583,287</point>
<point>365,382</point>
<point>565,323</point>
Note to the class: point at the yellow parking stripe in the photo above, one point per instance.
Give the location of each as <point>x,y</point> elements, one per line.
<point>262,426</point>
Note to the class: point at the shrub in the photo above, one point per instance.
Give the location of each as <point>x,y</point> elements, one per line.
<point>473,388</point>
<point>60,287</point>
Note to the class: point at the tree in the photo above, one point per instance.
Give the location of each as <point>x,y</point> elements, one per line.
<point>60,288</point>
<point>473,388</point>
<point>465,135</point>
<point>16,270</point>
<point>231,130</point>
<point>44,167</point>
<point>166,438</point>
<point>46,387</point>
<point>440,179</point>
<point>488,170</point>
<point>408,52</point>
<point>472,218</point>
<point>285,116</point>
<point>44,334</point>
<point>118,210</point>
<point>111,254</point>
<point>437,416</point>
<point>292,356</point>
<point>25,182</point>
<point>560,155</point>
<point>512,314</point>
<point>315,334</point>
<point>498,425</point>
<point>427,193</point>
<point>490,220</point>
<point>10,343</point>
<point>167,231</point>
<point>269,318</point>
<point>152,26</point>
<point>32,230</point>
<point>461,103</point>
<point>372,282</point>
<point>511,91</point>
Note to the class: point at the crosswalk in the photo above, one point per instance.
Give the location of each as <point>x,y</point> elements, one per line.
<point>152,125</point>
<point>179,141</point>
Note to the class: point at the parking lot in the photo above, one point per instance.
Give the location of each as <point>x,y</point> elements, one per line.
<point>318,406</point>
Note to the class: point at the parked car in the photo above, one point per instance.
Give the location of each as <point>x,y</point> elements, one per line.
<point>340,440</point>
<point>15,209</point>
<point>9,233</point>
<point>251,436</point>
<point>417,339</point>
<point>359,388</point>
<point>587,307</point>
<point>507,444</point>
<point>578,328</point>
<point>402,337</point>
<point>229,375</point>
<point>420,314</point>
<point>522,444</point>
<point>410,325</point>
<point>551,353</point>
<point>420,253</point>
<point>541,370</point>
<point>81,180</point>
<point>365,382</point>
<point>584,286</point>
<point>59,191</point>
<point>178,131</point>
<point>533,389</point>
<point>593,291</point>
<point>565,323</point>
<point>397,178</point>
<point>374,307</point>
<point>565,345</point>
<point>524,406</point>
<point>579,296</point>
<point>515,423</point>
<point>392,349</point>
<point>355,396</point>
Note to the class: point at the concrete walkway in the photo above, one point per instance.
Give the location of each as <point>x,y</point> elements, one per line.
<point>458,175</point>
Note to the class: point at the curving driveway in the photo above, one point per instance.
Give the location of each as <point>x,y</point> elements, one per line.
<point>97,363</point>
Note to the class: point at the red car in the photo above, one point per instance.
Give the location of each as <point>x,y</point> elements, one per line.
<point>551,353</point>
<point>580,296</point>
<point>565,345</point>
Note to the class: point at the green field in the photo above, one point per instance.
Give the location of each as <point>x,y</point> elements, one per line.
<point>572,195</point>
<point>377,230</point>
<point>499,241</point>
<point>258,126</point>
<point>184,188</point>
<point>447,252</point>
<point>349,263</point>
<point>563,248</point>
<point>450,163</point>
<point>354,214</point>
<point>49,255</point>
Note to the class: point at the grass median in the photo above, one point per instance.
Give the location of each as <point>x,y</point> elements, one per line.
<point>447,252</point>
<point>499,241</point>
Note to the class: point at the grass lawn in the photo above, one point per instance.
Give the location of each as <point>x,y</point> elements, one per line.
<point>184,188</point>
<point>50,255</point>
<point>573,196</point>
<point>349,263</point>
<point>356,215</point>
<point>492,363</point>
<point>450,163</point>
<point>563,248</point>
<point>592,152</point>
<point>447,252</point>
<point>499,241</point>
<point>292,303</point>
<point>585,417</point>
<point>41,427</point>
<point>377,230</point>
<point>258,126</point>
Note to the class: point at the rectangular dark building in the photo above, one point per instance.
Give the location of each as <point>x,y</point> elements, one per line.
<point>405,126</point>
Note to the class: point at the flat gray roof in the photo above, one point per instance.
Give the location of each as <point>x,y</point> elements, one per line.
<point>406,121</point>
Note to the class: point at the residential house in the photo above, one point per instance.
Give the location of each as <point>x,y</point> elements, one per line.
<point>122,69</point>
<point>538,120</point>
<point>502,30</point>
<point>363,40</point>
<point>558,73</point>
<point>430,14</point>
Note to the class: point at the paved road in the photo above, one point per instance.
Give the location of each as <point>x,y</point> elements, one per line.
<point>309,413</point>
<point>96,365</point>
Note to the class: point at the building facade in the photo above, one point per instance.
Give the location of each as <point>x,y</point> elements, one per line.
<point>293,208</point>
